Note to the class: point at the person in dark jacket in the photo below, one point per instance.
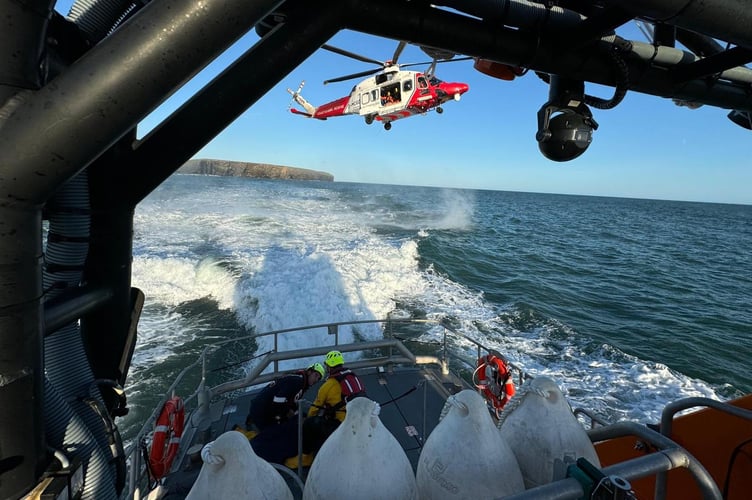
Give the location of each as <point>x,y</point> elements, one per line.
<point>278,401</point>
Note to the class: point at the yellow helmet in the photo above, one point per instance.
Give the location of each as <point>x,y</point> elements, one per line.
<point>334,358</point>
<point>318,368</point>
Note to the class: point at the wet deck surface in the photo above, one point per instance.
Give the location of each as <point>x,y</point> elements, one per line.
<point>411,400</point>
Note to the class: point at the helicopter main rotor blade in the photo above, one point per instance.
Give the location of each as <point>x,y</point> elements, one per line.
<point>437,62</point>
<point>353,55</point>
<point>354,75</point>
<point>400,47</point>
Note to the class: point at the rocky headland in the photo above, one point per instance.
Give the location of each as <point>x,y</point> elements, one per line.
<point>257,170</point>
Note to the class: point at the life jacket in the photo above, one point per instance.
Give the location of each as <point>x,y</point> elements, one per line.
<point>350,386</point>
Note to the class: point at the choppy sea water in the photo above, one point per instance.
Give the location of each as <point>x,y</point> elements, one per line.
<point>626,303</point>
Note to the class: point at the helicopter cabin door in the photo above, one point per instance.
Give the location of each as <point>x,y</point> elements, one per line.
<point>390,92</point>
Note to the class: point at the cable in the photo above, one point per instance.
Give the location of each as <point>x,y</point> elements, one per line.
<point>734,454</point>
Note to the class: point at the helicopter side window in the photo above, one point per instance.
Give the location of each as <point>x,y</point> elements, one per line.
<point>407,85</point>
<point>380,78</point>
<point>365,98</point>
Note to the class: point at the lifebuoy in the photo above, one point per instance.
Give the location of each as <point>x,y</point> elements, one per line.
<point>493,378</point>
<point>167,432</point>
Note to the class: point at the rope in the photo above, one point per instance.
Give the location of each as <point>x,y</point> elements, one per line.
<point>145,452</point>
<point>412,389</point>
<point>208,457</point>
<point>404,419</point>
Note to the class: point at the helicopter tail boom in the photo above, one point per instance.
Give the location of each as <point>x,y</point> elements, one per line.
<point>338,107</point>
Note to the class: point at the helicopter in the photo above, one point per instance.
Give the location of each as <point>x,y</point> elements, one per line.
<point>390,94</point>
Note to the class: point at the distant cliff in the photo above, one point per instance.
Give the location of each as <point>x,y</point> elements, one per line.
<point>258,170</point>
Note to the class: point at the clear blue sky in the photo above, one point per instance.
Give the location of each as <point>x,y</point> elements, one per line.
<point>646,147</point>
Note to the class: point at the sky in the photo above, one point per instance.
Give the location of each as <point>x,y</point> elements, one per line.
<point>646,147</point>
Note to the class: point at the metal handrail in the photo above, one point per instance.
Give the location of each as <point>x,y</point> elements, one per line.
<point>667,421</point>
<point>255,376</point>
<point>670,456</point>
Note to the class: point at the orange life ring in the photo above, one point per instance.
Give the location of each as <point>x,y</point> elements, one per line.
<point>167,432</point>
<point>493,378</point>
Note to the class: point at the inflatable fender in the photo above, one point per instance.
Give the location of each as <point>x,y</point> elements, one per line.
<point>361,459</point>
<point>543,433</point>
<point>465,455</point>
<point>232,470</point>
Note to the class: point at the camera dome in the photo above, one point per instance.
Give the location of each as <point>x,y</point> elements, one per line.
<point>568,136</point>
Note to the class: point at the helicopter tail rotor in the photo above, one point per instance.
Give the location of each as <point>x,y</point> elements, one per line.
<point>310,109</point>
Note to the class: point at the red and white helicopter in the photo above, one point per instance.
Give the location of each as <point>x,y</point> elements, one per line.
<point>390,94</point>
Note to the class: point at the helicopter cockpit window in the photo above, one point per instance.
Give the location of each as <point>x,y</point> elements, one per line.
<point>435,81</point>
<point>380,78</point>
<point>407,85</point>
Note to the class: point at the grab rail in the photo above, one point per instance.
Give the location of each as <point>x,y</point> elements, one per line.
<point>670,456</point>
<point>667,421</point>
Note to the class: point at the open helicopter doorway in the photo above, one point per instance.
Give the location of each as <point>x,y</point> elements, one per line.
<point>391,94</point>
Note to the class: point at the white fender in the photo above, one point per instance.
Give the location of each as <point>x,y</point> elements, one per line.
<point>544,434</point>
<point>361,459</point>
<point>465,455</point>
<point>232,470</point>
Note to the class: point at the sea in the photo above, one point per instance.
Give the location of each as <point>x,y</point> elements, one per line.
<point>627,304</point>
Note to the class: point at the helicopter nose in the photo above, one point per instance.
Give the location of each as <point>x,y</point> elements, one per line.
<point>455,90</point>
<point>458,88</point>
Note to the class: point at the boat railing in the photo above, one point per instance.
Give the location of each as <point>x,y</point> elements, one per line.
<point>395,347</point>
<point>391,343</point>
<point>667,422</point>
<point>589,419</point>
<point>519,376</point>
<point>267,367</point>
